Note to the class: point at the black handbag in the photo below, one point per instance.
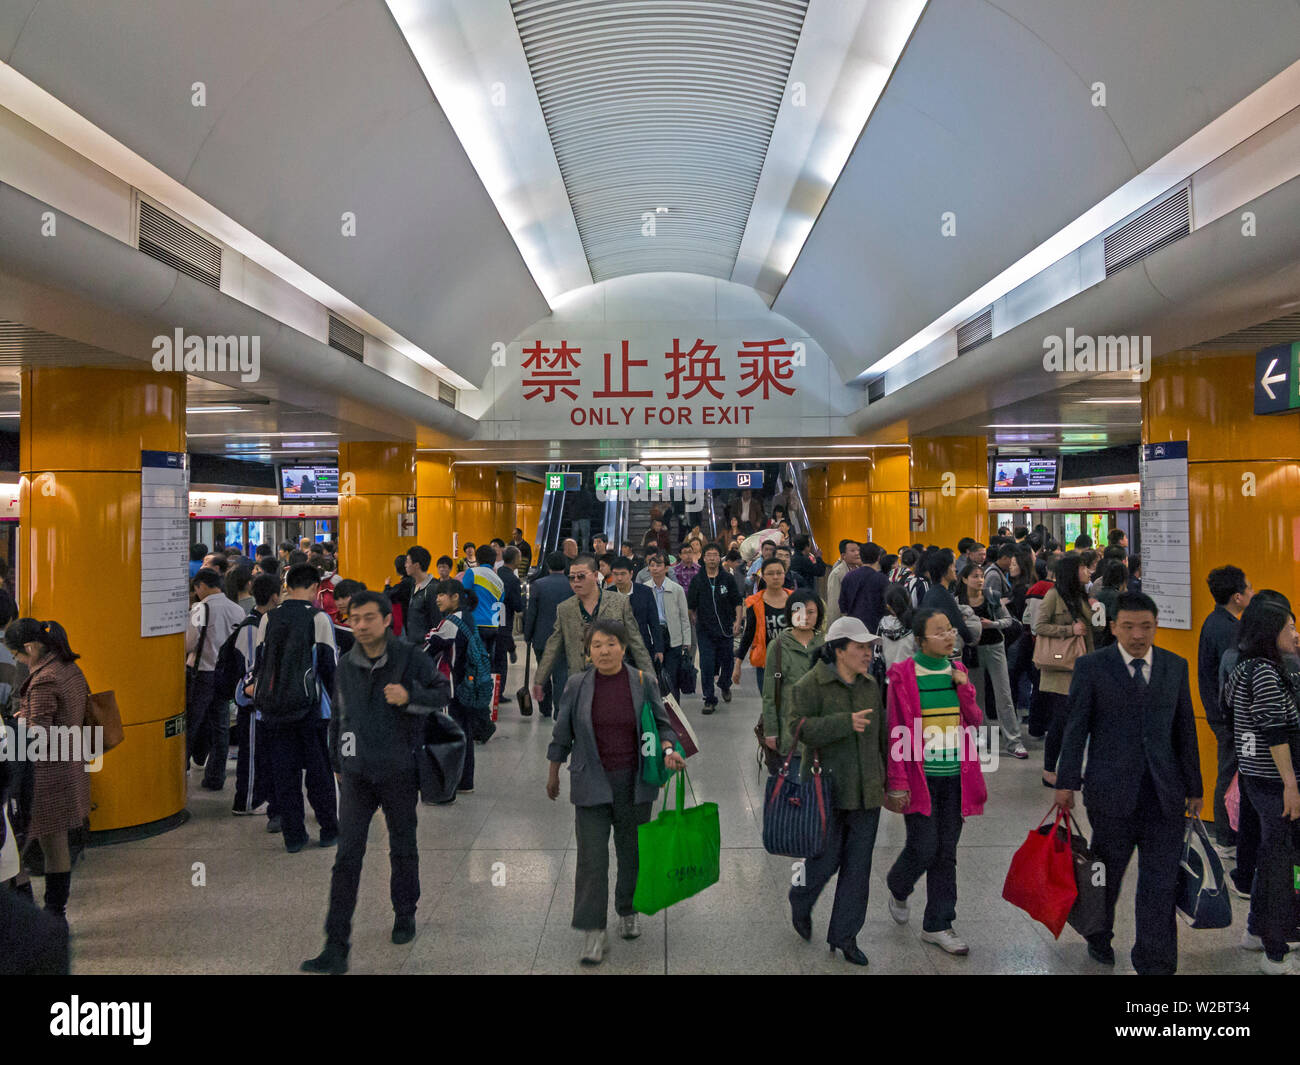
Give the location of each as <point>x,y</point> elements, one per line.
<point>440,760</point>
<point>1088,914</point>
<point>686,676</point>
<point>796,814</point>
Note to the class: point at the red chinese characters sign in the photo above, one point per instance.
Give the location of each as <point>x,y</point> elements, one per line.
<point>766,372</point>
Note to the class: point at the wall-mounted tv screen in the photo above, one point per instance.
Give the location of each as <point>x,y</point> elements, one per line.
<point>1025,475</point>
<point>314,485</point>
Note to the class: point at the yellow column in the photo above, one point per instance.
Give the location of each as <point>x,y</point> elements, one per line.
<point>890,483</point>
<point>375,480</point>
<point>848,503</point>
<point>81,434</point>
<point>435,502</point>
<point>505,505</point>
<point>950,474</point>
<point>818,513</point>
<point>476,510</point>
<point>528,507</point>
<point>1208,399</point>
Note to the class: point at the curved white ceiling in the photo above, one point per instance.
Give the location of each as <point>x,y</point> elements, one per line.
<point>313,108</point>
<point>989,115</point>
<point>660,103</point>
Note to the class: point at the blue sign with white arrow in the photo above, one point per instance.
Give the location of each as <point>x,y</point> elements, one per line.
<point>1277,379</point>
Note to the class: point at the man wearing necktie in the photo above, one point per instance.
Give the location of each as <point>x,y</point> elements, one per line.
<point>1130,706</point>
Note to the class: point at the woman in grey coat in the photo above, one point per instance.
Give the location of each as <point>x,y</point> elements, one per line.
<point>598,724</point>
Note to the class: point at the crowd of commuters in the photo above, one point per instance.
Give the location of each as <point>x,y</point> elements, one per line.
<point>332,686</point>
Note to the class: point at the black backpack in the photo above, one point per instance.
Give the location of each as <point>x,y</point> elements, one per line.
<point>286,689</point>
<point>229,671</point>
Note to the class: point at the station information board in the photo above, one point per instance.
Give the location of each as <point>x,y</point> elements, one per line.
<point>1166,532</point>
<point>164,542</point>
<point>652,480</point>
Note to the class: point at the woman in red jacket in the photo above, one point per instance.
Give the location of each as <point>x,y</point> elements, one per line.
<point>934,772</point>
<point>54,692</point>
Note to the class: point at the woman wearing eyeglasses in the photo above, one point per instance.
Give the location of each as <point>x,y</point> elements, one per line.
<point>934,774</point>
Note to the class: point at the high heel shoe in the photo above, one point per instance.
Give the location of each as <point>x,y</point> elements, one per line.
<point>852,953</point>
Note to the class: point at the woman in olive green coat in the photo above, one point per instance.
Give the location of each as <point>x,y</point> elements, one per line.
<point>838,712</point>
<point>789,657</point>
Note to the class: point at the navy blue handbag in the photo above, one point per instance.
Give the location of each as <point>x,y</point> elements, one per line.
<point>796,813</point>
<point>1202,894</point>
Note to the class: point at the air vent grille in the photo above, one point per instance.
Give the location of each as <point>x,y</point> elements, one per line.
<point>447,394</point>
<point>1284,330</point>
<point>21,345</point>
<point>170,242</point>
<point>1155,227</point>
<point>876,390</point>
<point>346,339</point>
<point>978,330</point>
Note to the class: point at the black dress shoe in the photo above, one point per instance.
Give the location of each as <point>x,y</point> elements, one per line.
<point>333,960</point>
<point>403,930</point>
<point>802,925</point>
<point>1101,952</point>
<point>296,846</point>
<point>710,707</point>
<point>328,839</point>
<point>726,695</point>
<point>851,952</point>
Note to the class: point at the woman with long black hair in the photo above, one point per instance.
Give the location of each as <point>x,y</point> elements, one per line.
<point>1264,703</point>
<point>1063,613</point>
<point>54,693</point>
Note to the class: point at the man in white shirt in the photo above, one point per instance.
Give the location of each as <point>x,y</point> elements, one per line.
<point>850,559</point>
<point>674,621</point>
<point>207,730</point>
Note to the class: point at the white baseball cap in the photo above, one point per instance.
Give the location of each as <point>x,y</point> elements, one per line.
<point>850,628</point>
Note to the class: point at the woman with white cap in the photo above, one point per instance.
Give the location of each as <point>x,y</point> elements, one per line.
<point>837,711</point>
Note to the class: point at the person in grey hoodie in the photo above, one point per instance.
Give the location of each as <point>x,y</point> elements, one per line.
<point>598,723</point>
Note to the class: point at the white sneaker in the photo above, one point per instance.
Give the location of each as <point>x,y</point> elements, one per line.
<point>947,940</point>
<point>898,909</point>
<point>1285,967</point>
<point>629,927</point>
<point>593,951</point>
<point>1017,750</point>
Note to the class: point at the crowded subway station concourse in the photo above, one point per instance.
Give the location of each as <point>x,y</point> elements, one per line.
<point>714,487</point>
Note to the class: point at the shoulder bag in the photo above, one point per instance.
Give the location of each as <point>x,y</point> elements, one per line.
<point>766,755</point>
<point>1059,652</point>
<point>796,812</point>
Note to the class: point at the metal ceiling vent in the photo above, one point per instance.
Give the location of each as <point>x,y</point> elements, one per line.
<point>346,339</point>
<point>654,104</point>
<point>1284,330</point>
<point>1155,227</point>
<point>975,331</point>
<point>447,394</point>
<point>163,238</point>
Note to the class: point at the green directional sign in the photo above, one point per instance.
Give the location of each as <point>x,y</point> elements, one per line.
<point>610,480</point>
<point>564,482</point>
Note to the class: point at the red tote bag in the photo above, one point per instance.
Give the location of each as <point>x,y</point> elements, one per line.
<point>1041,878</point>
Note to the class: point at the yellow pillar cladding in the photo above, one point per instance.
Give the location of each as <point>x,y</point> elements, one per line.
<point>951,478</point>
<point>528,509</point>
<point>375,481</point>
<point>476,506</point>
<point>81,434</point>
<point>435,502</point>
<point>1243,481</point>
<point>848,503</point>
<point>817,512</point>
<point>505,505</point>
<point>890,483</point>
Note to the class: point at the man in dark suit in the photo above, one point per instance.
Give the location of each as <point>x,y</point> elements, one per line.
<point>862,592</point>
<point>644,608</point>
<point>1131,706</point>
<point>545,594</point>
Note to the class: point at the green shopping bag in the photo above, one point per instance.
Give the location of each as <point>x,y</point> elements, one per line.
<point>653,770</point>
<point>679,852</point>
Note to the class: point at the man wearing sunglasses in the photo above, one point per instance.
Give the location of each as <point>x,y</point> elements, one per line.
<point>590,600</point>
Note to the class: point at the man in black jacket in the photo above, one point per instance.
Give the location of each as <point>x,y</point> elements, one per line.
<point>544,596</point>
<point>643,606</point>
<point>1231,591</point>
<point>422,612</point>
<point>1130,705</point>
<point>387,689</point>
<point>862,593</point>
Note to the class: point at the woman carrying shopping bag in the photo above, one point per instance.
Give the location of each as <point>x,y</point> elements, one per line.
<point>990,657</point>
<point>837,711</point>
<point>598,723</point>
<point>934,776</point>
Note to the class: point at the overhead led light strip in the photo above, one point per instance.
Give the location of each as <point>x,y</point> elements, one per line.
<point>47,113</point>
<point>1265,105</point>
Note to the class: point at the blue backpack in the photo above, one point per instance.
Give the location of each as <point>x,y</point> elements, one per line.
<point>475,691</point>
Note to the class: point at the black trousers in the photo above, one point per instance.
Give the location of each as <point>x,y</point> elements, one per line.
<point>465,718</point>
<point>1159,843</point>
<point>359,798</point>
<point>1227,751</point>
<point>850,841</point>
<point>1248,833</point>
<point>670,683</point>
<point>207,729</point>
<point>299,748</point>
<point>715,661</point>
<point>931,850</point>
<point>1272,896</point>
<point>591,884</point>
<point>553,685</point>
<point>253,783</point>
<point>1056,706</point>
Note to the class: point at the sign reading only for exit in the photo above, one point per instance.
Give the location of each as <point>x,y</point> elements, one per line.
<point>1277,379</point>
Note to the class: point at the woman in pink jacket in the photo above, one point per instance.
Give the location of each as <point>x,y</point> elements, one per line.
<point>933,774</point>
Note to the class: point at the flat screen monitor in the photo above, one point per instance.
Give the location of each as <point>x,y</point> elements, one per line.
<point>314,485</point>
<point>1025,475</point>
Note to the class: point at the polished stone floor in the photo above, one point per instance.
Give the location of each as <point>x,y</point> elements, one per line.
<point>496,871</point>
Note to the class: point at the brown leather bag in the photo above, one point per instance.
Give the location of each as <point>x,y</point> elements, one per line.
<point>102,712</point>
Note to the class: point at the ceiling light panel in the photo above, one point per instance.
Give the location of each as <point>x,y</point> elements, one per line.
<point>665,104</point>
